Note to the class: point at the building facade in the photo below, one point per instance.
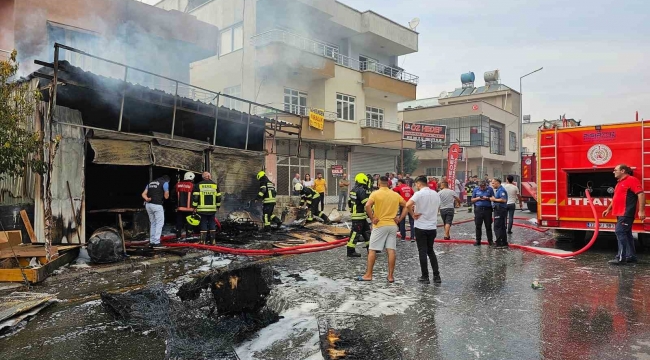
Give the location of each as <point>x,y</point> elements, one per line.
<point>299,55</point>
<point>484,120</point>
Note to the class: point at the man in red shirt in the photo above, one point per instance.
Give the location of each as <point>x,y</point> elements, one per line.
<point>405,192</point>
<point>433,185</point>
<point>627,195</point>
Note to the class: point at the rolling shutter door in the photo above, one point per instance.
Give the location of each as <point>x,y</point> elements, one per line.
<point>372,164</point>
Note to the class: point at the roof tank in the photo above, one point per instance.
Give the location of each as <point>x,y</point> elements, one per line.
<point>467,78</point>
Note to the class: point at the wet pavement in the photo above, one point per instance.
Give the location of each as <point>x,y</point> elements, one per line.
<point>485,307</point>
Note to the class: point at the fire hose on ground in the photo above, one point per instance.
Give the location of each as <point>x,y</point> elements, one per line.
<point>309,248</point>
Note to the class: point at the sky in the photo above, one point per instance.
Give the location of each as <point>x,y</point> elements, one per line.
<point>595,53</point>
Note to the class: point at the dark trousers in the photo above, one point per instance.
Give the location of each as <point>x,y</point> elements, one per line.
<point>511,216</point>
<point>500,214</point>
<point>424,240</point>
<point>623,233</point>
<point>181,223</point>
<point>207,222</point>
<point>321,201</point>
<point>402,227</point>
<point>267,212</point>
<point>483,215</point>
<point>360,228</point>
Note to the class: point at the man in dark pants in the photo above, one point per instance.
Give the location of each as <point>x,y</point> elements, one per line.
<point>310,199</point>
<point>500,205</point>
<point>357,203</point>
<point>206,199</point>
<point>405,192</point>
<point>513,196</point>
<point>469,189</point>
<point>267,194</point>
<point>427,203</point>
<point>628,195</point>
<point>482,211</point>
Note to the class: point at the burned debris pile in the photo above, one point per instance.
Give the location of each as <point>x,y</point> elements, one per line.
<point>204,324</point>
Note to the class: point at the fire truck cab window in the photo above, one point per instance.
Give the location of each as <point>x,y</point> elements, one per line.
<point>602,183</point>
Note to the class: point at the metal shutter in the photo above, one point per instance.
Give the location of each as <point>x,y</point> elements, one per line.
<point>372,164</point>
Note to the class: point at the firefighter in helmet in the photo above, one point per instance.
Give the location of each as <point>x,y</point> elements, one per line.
<point>309,198</point>
<point>184,209</point>
<point>206,200</point>
<point>357,203</point>
<point>267,194</point>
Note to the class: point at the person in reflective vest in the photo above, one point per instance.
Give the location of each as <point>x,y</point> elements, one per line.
<point>267,194</point>
<point>309,198</point>
<point>206,200</point>
<point>184,207</point>
<point>357,203</point>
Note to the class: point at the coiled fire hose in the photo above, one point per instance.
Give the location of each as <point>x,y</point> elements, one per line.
<point>309,248</point>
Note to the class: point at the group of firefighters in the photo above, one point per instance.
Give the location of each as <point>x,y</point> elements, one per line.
<point>199,202</point>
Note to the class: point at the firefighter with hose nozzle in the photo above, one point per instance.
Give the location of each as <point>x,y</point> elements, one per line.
<point>309,198</point>
<point>357,203</point>
<point>267,194</point>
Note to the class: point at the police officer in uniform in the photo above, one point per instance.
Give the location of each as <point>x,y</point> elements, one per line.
<point>482,211</point>
<point>267,194</point>
<point>500,205</point>
<point>357,203</point>
<point>184,191</point>
<point>154,195</point>
<point>206,199</point>
<point>309,198</point>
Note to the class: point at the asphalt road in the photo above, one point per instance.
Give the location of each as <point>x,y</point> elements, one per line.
<point>485,308</point>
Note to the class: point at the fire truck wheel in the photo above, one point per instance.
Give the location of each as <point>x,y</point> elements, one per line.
<point>575,236</point>
<point>532,206</point>
<point>579,236</point>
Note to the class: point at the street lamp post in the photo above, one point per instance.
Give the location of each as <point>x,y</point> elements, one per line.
<point>521,121</point>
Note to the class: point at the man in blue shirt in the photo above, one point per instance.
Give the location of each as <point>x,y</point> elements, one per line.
<point>500,204</point>
<point>482,211</point>
<point>154,195</point>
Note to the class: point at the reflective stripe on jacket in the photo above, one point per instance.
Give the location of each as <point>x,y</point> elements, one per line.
<point>357,203</point>
<point>206,198</point>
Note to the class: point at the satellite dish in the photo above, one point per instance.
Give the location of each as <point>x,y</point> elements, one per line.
<point>414,23</point>
<point>444,94</point>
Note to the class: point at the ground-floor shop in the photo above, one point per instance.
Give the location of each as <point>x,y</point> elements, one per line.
<point>480,167</point>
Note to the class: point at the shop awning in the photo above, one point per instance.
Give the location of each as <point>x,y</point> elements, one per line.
<point>121,152</point>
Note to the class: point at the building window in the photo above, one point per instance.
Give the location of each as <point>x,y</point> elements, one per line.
<point>374,117</point>
<point>232,103</point>
<point>232,39</point>
<point>435,171</point>
<point>497,143</point>
<point>295,101</point>
<point>498,173</point>
<point>513,141</point>
<point>345,107</point>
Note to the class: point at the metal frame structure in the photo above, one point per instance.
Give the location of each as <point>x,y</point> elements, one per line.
<point>272,126</point>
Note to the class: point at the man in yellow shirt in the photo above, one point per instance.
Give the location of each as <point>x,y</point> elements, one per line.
<point>320,186</point>
<point>384,229</point>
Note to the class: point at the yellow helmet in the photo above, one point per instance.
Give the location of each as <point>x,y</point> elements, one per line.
<point>361,178</point>
<point>193,220</point>
<point>261,174</point>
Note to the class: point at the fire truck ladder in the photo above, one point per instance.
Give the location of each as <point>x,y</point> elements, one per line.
<point>545,205</point>
<point>645,151</point>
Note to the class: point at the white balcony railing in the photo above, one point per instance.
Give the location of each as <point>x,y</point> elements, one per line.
<point>380,124</point>
<point>332,52</point>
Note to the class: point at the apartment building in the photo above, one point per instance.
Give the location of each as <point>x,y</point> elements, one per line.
<point>124,31</point>
<point>299,55</point>
<point>482,119</point>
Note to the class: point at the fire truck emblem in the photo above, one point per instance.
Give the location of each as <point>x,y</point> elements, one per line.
<point>528,161</point>
<point>599,154</point>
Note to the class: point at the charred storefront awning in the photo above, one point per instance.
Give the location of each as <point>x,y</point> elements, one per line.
<point>130,126</point>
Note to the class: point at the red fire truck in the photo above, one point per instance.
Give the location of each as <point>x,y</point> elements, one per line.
<point>574,159</point>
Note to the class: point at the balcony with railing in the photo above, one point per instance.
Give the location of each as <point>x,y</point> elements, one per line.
<point>331,52</point>
<point>383,133</point>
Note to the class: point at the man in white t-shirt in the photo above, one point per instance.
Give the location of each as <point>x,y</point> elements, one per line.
<point>513,197</point>
<point>427,203</point>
